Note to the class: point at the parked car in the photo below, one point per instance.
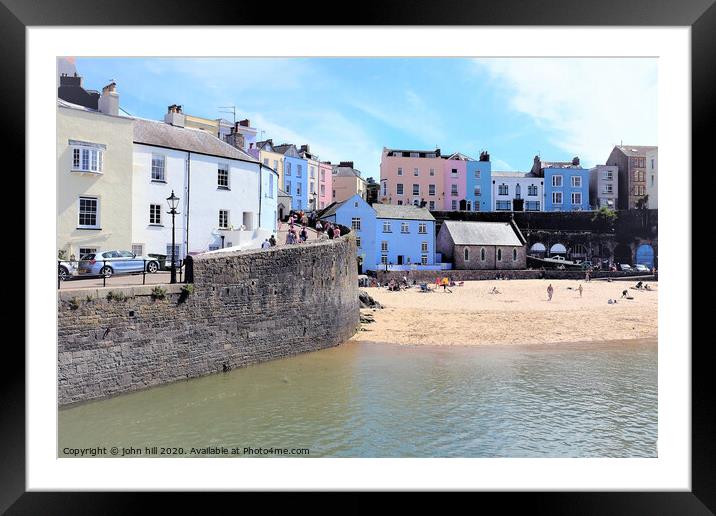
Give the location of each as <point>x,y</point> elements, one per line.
<point>625,267</point>
<point>642,268</point>
<point>586,265</point>
<point>108,263</point>
<point>67,269</point>
<point>165,262</point>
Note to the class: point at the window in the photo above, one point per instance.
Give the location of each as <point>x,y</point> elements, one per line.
<point>266,162</point>
<point>386,227</point>
<point>423,228</point>
<point>177,251</point>
<point>158,163</point>
<point>577,198</point>
<point>87,250</point>
<point>400,202</point>
<point>357,241</point>
<point>288,187</point>
<point>248,218</point>
<point>608,188</point>
<point>404,228</point>
<point>355,223</point>
<point>299,170</point>
<point>477,191</point>
<point>400,171</point>
<point>453,172</point>
<point>503,189</point>
<point>432,171</point>
<point>532,190</point>
<point>224,219</point>
<point>213,247</point>
<point>482,254</point>
<point>608,175</point>
<point>453,190</point>
<point>416,189</point>
<point>313,172</point>
<point>454,205</point>
<point>384,246</point>
<point>323,175</point>
<point>477,174</point>
<point>424,259</point>
<point>88,158</point>
<point>499,254</point>
<point>466,254</point>
<point>423,247</point>
<point>275,165</point>
<point>556,197</point>
<point>514,255</point>
<point>557,181</point>
<point>652,163</point>
<point>88,212</point>
<point>416,172</point>
<point>431,189</point>
<point>432,205</point>
<point>312,187</point>
<point>223,176</point>
<point>287,168</point>
<point>503,205</point>
<point>138,249</point>
<point>399,189</point>
<point>652,180</point>
<point>384,259</point>
<point>576,182</point>
<point>532,206</point>
<point>323,190</point>
<point>155,214</point>
<point>298,189</point>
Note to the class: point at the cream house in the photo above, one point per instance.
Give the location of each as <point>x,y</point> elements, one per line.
<point>94,176</point>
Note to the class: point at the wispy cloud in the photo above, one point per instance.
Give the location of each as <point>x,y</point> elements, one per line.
<point>585,105</point>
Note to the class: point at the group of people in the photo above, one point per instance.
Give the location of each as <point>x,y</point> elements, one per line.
<point>269,242</point>
<point>327,230</point>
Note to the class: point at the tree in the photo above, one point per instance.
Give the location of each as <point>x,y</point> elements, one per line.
<point>605,218</point>
<point>643,203</point>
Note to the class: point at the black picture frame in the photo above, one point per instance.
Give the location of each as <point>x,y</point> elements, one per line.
<point>700,15</point>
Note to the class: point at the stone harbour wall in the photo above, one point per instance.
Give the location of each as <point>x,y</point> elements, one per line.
<point>245,308</point>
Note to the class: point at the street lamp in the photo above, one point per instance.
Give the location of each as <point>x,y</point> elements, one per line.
<point>173,202</point>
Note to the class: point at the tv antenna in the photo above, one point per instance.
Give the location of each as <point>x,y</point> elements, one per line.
<point>230,109</point>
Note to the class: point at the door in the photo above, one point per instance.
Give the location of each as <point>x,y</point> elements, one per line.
<point>400,259</point>
<point>645,255</point>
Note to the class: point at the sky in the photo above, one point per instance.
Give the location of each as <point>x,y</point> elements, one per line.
<point>348,109</point>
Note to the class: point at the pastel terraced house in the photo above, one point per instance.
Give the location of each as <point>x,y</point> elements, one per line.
<point>410,177</point>
<point>566,184</point>
<point>455,182</point>
<point>478,184</point>
<point>294,175</point>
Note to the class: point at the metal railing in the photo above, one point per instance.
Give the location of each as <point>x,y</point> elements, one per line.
<point>75,271</point>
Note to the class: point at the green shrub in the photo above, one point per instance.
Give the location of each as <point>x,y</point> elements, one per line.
<point>74,303</point>
<point>188,288</point>
<point>159,292</point>
<point>116,296</point>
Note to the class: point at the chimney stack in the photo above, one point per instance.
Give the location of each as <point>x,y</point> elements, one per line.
<point>346,164</point>
<point>109,100</point>
<point>174,116</point>
<point>245,123</point>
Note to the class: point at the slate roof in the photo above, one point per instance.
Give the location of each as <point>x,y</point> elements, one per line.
<point>331,209</point>
<point>636,150</point>
<point>150,132</point>
<point>497,173</point>
<point>405,212</point>
<point>482,233</point>
<point>345,171</point>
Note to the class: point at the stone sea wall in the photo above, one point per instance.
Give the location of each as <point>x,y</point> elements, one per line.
<point>245,308</point>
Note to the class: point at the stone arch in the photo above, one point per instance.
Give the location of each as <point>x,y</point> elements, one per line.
<point>622,254</point>
<point>557,248</point>
<point>645,255</point>
<point>538,249</point>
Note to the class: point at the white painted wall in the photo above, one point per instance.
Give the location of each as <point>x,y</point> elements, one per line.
<point>512,183</point>
<point>194,178</point>
<point>652,190</point>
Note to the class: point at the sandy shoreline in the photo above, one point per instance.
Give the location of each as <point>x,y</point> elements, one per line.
<point>520,315</point>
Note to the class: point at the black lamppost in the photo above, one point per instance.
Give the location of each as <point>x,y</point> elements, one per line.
<point>173,202</point>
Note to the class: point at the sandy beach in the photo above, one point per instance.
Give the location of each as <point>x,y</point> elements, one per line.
<point>520,314</point>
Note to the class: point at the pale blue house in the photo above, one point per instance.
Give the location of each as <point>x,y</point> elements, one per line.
<point>295,175</point>
<point>478,183</point>
<point>566,184</point>
<point>388,236</point>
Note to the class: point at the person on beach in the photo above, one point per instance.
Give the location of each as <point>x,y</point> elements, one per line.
<point>580,290</point>
<point>550,291</point>
<point>445,283</point>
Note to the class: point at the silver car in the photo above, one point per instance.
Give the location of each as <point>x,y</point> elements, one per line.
<point>108,263</point>
<point>67,269</point>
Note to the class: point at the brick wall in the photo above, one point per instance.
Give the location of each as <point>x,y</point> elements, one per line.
<point>247,307</point>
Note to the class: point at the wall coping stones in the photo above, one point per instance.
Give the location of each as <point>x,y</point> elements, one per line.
<point>128,291</point>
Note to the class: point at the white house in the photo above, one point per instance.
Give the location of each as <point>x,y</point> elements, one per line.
<point>517,191</point>
<point>227,198</point>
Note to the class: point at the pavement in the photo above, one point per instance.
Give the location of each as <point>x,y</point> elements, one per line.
<point>119,280</point>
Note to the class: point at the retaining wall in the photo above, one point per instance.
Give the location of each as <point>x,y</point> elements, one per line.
<point>246,307</point>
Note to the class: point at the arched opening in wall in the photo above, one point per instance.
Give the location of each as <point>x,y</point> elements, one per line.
<point>281,211</point>
<point>514,255</point>
<point>538,249</point>
<point>499,254</point>
<point>645,255</point>
<point>622,254</point>
<point>467,254</point>
<point>482,254</point>
<point>558,249</point>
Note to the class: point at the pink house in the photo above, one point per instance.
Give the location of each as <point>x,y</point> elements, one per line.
<point>325,184</point>
<point>454,181</point>
<point>412,177</point>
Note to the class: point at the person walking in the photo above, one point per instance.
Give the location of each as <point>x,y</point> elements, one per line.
<point>272,240</point>
<point>304,234</point>
<point>336,232</point>
<point>550,291</point>
<point>319,227</point>
<point>580,290</point>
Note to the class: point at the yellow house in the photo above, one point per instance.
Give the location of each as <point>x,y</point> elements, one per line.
<point>94,177</point>
<point>347,182</point>
<point>272,159</point>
